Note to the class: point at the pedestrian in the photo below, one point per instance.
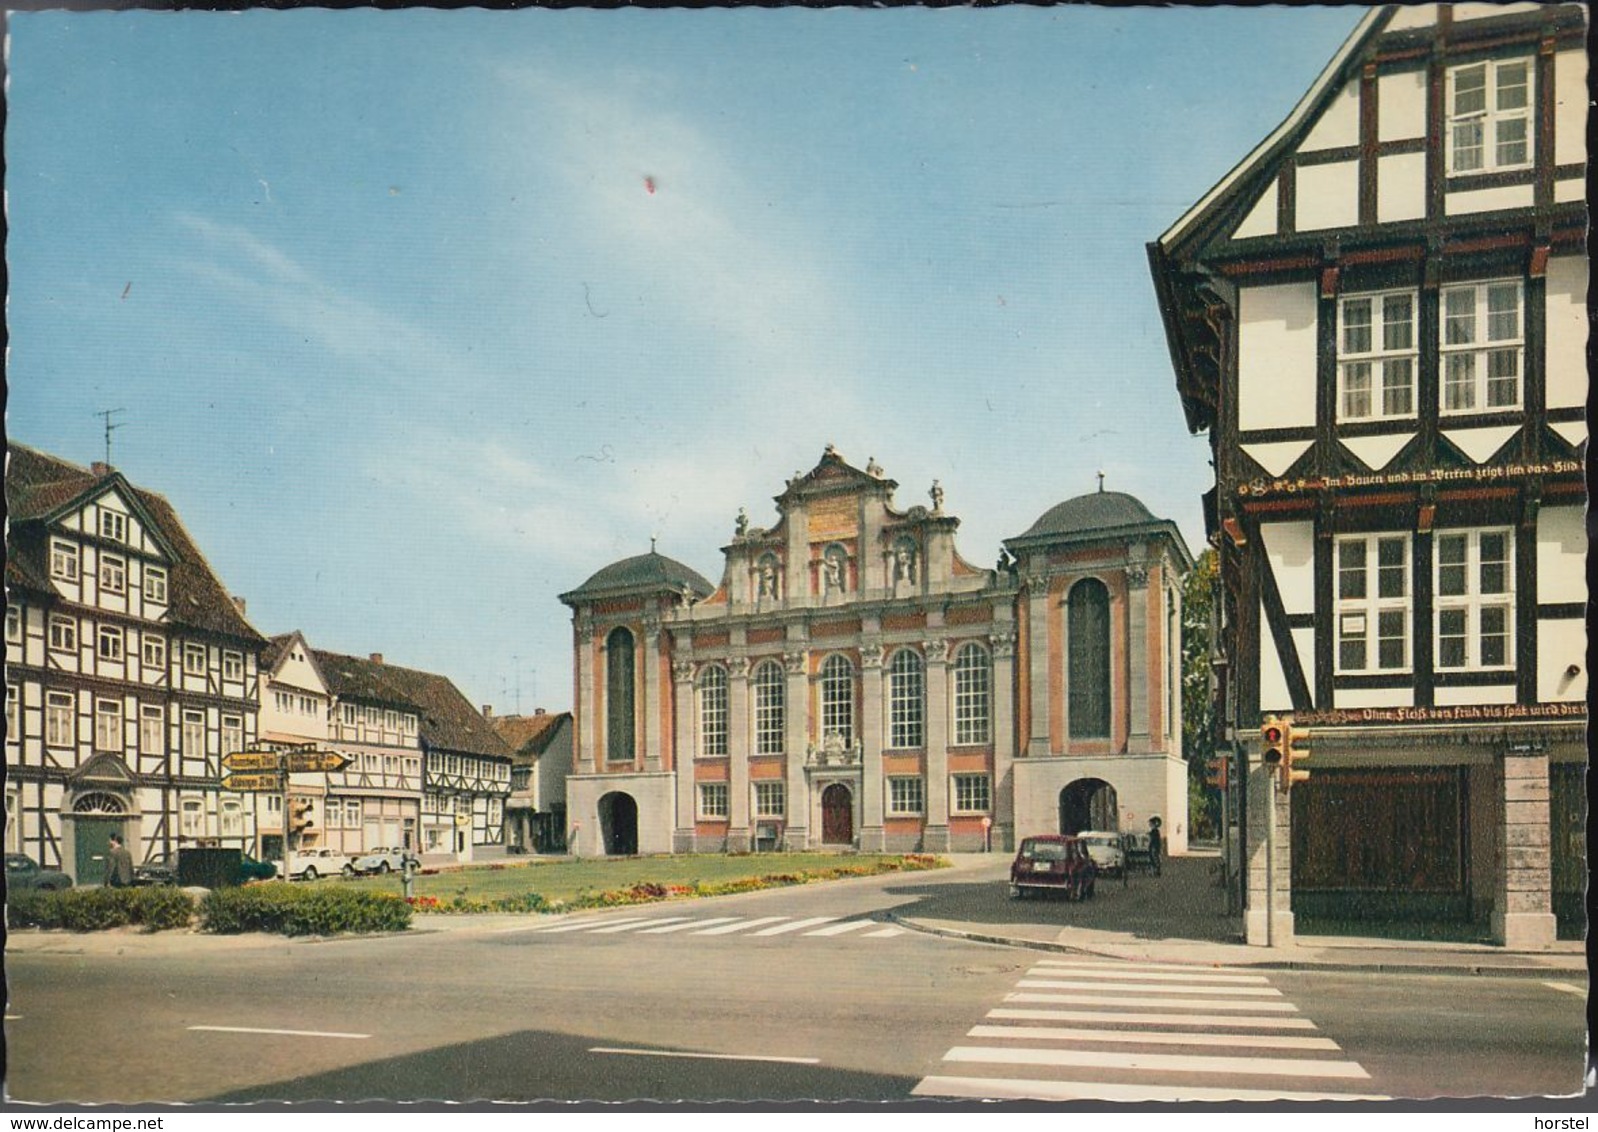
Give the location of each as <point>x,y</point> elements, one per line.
<point>118,864</point>
<point>1155,845</point>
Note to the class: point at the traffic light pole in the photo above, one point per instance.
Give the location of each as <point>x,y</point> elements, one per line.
<point>1270,862</point>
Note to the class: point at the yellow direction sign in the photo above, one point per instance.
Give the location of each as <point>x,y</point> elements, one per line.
<point>252,760</point>
<point>252,783</point>
<point>315,762</point>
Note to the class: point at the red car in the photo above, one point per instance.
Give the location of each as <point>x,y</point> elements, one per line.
<point>1053,863</point>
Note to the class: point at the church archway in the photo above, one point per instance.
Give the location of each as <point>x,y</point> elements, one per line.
<point>618,824</point>
<point>1089,803</point>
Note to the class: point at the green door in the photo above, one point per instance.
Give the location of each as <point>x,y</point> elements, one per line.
<point>94,838</point>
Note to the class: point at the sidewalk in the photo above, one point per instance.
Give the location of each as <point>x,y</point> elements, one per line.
<point>1178,917</point>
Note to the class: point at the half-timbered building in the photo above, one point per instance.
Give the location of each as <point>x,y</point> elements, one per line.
<point>535,815</point>
<point>130,672</point>
<point>1379,317</point>
<point>852,682</point>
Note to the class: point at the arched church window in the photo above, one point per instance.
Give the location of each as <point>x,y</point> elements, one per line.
<point>620,701</point>
<point>1088,660</point>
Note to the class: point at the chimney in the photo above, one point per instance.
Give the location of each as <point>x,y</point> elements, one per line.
<point>377,658</point>
<point>538,711</point>
<point>100,469</point>
<point>488,711</point>
<point>238,603</point>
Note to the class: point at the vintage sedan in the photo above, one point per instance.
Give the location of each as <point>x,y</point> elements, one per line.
<point>23,872</point>
<point>309,864</point>
<point>1107,851</point>
<point>382,860</point>
<point>1052,863</point>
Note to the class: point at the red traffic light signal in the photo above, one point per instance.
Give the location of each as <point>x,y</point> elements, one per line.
<point>1273,738</point>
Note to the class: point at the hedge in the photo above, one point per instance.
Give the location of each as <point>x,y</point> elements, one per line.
<point>286,909</point>
<point>96,909</point>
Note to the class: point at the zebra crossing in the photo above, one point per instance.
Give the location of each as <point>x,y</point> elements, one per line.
<point>748,927</point>
<point>1109,1030</point>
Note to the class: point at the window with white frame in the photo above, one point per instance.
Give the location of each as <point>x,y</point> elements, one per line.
<point>63,560</point>
<point>13,822</point>
<point>108,725</point>
<point>193,737</point>
<point>1376,356</point>
<point>973,794</point>
<point>193,822</point>
<point>906,699</point>
<point>972,695</point>
<point>713,711</point>
<point>332,814</point>
<point>906,795</point>
<point>352,813</point>
<point>1373,603</point>
<point>109,642</point>
<point>232,734</point>
<point>13,732</point>
<point>1489,116</point>
<point>347,714</point>
<point>155,584</point>
<point>232,666</point>
<point>194,659</point>
<point>713,799</point>
<point>771,799</point>
<point>13,624</point>
<point>113,573</point>
<point>409,722</point>
<point>152,730</point>
<point>154,652</point>
<point>1474,599</point>
<point>63,633</point>
<point>391,721</point>
<point>1483,343</point>
<point>770,696</point>
<point>837,699</point>
<point>59,729</point>
<point>113,525</point>
<point>232,815</point>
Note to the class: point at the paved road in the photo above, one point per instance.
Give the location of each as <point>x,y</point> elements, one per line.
<point>781,995</point>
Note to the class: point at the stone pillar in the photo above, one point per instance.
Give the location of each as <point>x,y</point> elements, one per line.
<point>651,699</point>
<point>795,717</point>
<point>870,725</point>
<point>738,754</point>
<point>1003,722</point>
<point>682,675</point>
<point>935,835</point>
<point>1523,917</point>
<point>1038,664</point>
<point>1269,918</point>
<point>1137,655</point>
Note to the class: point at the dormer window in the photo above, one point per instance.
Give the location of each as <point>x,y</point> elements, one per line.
<point>1489,116</point>
<point>113,574</point>
<point>155,584</point>
<point>63,560</point>
<point>113,525</point>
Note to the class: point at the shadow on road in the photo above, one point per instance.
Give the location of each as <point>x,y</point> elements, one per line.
<point>1183,902</point>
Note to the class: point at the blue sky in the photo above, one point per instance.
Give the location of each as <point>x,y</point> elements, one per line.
<point>420,318</point>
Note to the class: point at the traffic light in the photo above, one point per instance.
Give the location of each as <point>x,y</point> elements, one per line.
<point>1219,772</point>
<point>1273,739</point>
<point>1294,751</point>
<point>300,809</point>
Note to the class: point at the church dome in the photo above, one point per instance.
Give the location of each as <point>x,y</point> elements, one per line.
<point>1091,514</point>
<point>642,573</point>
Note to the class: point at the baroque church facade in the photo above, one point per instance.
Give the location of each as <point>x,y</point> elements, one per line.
<point>852,682</point>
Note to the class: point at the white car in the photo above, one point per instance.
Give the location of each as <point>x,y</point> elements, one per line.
<point>1106,850</point>
<point>308,864</point>
<point>381,860</point>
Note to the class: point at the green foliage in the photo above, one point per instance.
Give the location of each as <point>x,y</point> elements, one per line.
<point>99,909</point>
<point>1199,591</point>
<point>289,909</point>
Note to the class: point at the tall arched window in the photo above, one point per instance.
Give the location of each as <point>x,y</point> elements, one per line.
<point>770,702</point>
<point>906,699</point>
<point>972,696</point>
<point>713,711</point>
<point>837,699</point>
<point>620,702</point>
<point>1087,615</point>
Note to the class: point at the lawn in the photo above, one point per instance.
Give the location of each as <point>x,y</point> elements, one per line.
<point>564,881</point>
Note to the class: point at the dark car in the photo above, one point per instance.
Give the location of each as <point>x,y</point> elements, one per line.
<point>1053,863</point>
<point>24,872</point>
<point>166,870</point>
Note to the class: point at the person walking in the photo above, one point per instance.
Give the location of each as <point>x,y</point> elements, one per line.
<point>1156,845</point>
<point>118,864</point>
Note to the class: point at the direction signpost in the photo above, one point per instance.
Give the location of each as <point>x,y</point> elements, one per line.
<point>250,783</point>
<point>267,772</point>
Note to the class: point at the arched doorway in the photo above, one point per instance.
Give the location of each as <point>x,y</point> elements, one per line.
<point>1089,803</point>
<point>837,815</point>
<point>618,824</point>
<point>96,816</point>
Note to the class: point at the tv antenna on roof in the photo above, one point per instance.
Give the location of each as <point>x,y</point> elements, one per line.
<point>109,429</point>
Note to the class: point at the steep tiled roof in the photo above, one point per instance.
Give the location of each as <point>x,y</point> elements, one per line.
<point>530,734</point>
<point>448,719</point>
<point>39,485</point>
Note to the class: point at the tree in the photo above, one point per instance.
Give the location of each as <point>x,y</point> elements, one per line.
<point>1198,701</point>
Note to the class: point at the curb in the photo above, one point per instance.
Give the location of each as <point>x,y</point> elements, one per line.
<point>1474,969</point>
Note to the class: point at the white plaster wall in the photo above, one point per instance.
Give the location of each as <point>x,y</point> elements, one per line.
<point>1276,363</point>
<point>1401,187</point>
<point>654,793</point>
<point>1567,331</point>
<point>1276,457</point>
<point>1304,645</point>
<point>1339,125</point>
<point>1561,555</point>
<point>1459,697</point>
<point>1401,105</point>
<point>1570,107</point>
<point>1413,16</point>
<point>1488,200</point>
<point>1261,220</point>
<point>1466,12</point>
<point>1290,551</point>
<point>1374,697</point>
<point>1561,645</point>
<point>1328,196</point>
<point>1572,188</point>
<point>1146,785</point>
<point>1274,695</point>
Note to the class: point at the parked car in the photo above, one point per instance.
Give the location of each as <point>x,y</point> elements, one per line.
<point>1109,855</point>
<point>166,870</point>
<point>1052,863</point>
<point>24,872</point>
<point>308,864</point>
<point>382,860</point>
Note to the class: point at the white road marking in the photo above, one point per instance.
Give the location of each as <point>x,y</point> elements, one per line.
<point>796,925</point>
<point>1567,988</point>
<point>285,1033</point>
<point>1144,988</point>
<point>993,1088</point>
<point>705,1056</point>
<point>1150,1037</point>
<point>584,925</point>
<point>1078,970</point>
<point>884,933</point>
<point>1165,1062</point>
<point>1164,1004</point>
<point>741,925</point>
<point>634,925</point>
<point>690,924</point>
<point>13,1018</point>
<point>1122,1018</point>
<point>846,926</point>
<point>1128,967</point>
